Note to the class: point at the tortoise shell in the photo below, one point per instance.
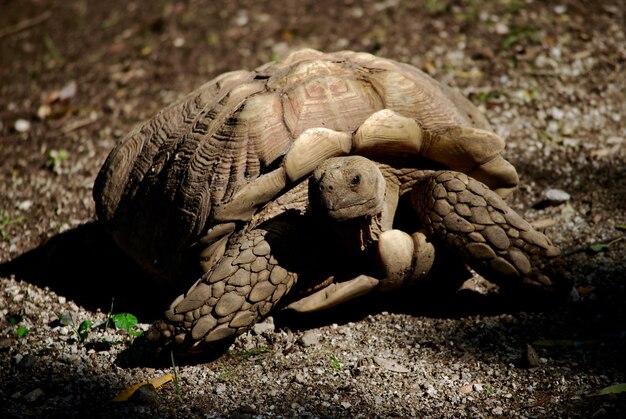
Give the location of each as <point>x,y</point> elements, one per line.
<point>156,191</point>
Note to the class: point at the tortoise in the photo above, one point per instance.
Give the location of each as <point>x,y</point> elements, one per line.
<point>180,192</point>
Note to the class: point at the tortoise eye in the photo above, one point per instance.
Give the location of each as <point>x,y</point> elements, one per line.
<point>355,180</point>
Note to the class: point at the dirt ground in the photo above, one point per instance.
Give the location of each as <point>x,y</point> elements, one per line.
<point>76,75</point>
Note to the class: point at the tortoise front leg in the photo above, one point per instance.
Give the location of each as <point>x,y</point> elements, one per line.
<point>492,238</point>
<point>259,266</point>
<point>402,259</point>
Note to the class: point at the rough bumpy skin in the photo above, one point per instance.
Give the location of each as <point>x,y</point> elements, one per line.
<point>492,238</point>
<point>243,287</point>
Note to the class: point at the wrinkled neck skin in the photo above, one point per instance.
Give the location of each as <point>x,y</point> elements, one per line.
<point>354,235</point>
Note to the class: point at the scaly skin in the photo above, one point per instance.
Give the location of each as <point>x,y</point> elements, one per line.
<point>259,266</point>
<point>475,222</point>
<point>262,264</point>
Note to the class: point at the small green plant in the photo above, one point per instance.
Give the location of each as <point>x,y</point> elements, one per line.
<point>122,321</point>
<point>490,391</point>
<point>83,330</point>
<point>5,221</point>
<point>175,374</point>
<point>56,157</point>
<point>519,34</point>
<point>487,96</point>
<point>225,374</point>
<point>435,6</point>
<point>598,247</point>
<point>334,362</point>
<point>128,323</point>
<point>21,331</point>
<point>515,6</point>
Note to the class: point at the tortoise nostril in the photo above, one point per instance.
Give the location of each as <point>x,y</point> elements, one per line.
<point>330,187</point>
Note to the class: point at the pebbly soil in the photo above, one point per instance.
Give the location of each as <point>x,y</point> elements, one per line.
<point>77,75</point>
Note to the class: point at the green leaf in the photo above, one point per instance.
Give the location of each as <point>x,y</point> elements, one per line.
<point>124,321</point>
<point>22,331</point>
<point>598,247</point>
<point>334,362</point>
<point>614,389</point>
<point>621,227</point>
<point>15,319</point>
<point>83,329</point>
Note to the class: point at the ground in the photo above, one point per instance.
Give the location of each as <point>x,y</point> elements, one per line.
<point>77,75</point>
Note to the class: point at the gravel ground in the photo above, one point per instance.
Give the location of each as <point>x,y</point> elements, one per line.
<point>77,75</point>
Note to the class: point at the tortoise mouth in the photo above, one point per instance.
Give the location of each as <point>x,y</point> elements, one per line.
<point>357,233</point>
<point>362,209</point>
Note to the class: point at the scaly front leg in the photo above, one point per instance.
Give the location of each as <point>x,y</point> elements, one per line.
<point>493,239</point>
<point>257,269</point>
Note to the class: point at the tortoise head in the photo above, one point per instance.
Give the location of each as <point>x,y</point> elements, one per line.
<point>346,188</point>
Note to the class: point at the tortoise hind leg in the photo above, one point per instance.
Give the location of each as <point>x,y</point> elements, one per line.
<point>492,238</point>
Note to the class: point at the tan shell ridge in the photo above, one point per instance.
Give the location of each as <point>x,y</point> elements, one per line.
<point>157,188</point>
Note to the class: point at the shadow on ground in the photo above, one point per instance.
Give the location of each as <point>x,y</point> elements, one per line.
<point>84,265</point>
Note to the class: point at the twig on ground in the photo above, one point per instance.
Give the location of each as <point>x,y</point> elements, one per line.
<point>25,24</point>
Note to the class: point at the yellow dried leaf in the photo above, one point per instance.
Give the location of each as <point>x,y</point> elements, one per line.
<point>125,394</point>
<point>156,382</point>
<point>159,381</point>
<point>614,389</point>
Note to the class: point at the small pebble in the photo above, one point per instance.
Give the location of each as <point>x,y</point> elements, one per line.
<point>310,338</point>
<point>146,394</point>
<point>22,125</point>
<point>557,196</point>
<point>25,205</point>
<point>260,328</point>
<point>300,378</point>
<point>33,395</point>
<point>553,197</point>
